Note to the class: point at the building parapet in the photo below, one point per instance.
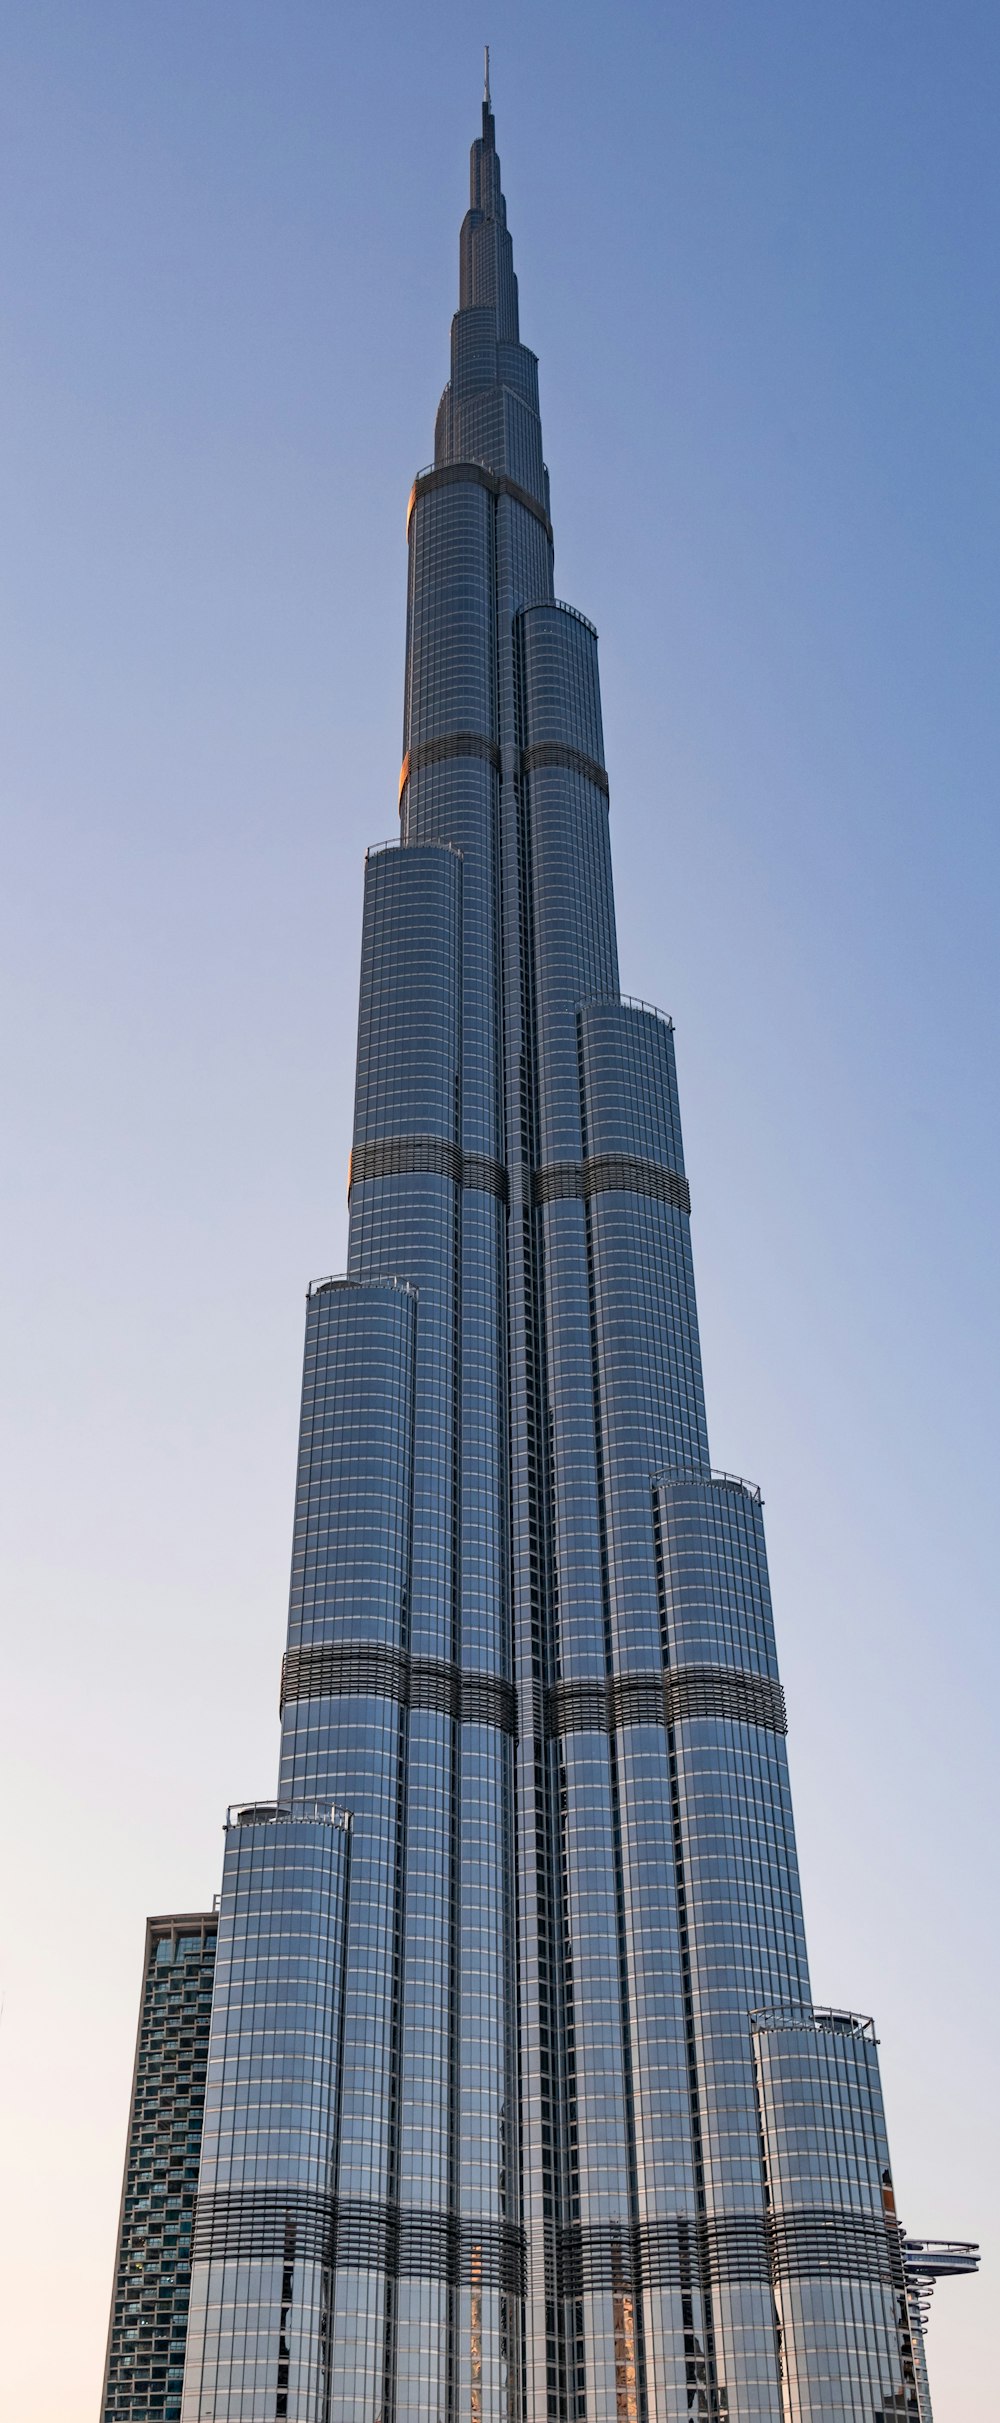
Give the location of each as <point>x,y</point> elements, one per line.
<point>298,1813</point>
<point>823,2021</point>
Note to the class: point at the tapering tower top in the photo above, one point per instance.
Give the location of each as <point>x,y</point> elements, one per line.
<point>485,195</point>
<point>489,410</point>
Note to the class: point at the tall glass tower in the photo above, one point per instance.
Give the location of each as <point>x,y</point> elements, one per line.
<point>517,2104</point>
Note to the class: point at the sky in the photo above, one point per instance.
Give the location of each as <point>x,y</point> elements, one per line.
<point>757,248</point>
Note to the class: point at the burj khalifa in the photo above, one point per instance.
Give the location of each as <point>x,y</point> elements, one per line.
<point>517,2103</point>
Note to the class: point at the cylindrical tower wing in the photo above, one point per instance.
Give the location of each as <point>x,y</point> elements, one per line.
<point>265,2224</point>
<point>836,2257</point>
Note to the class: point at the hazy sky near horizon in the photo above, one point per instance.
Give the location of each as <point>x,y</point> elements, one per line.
<point>757,247</point>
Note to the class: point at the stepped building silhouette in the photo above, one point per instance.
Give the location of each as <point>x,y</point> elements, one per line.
<point>517,2103</point>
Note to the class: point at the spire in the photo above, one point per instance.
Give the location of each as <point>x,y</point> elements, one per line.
<point>489,135</point>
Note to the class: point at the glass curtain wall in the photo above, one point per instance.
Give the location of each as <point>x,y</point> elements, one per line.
<point>530,1645</point>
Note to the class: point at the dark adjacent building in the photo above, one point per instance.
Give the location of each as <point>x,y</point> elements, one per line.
<point>149,2307</point>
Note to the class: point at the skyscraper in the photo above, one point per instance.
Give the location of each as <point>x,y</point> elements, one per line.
<point>517,2105</point>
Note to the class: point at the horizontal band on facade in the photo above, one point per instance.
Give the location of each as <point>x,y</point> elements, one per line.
<point>465,475</point>
<point>823,2244</point>
<point>609,1173</point>
<point>726,2249</point>
<point>448,744</point>
<point>478,1173</point>
<point>475,744</point>
<point>677,2252</point>
<point>368,1669</point>
<point>735,2249</point>
<point>355,2233</point>
<point>428,1156</point>
<point>678,1695</point>
<point>675,1696</point>
<point>556,753</point>
<point>592,2257</point>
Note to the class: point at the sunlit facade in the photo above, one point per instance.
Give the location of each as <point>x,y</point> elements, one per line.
<point>517,2103</point>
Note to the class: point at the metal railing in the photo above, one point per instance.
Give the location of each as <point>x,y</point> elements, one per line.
<point>283,1813</point>
<point>822,2021</point>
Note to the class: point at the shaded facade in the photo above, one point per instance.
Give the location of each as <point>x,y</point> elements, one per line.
<point>149,2302</point>
<point>518,2106</point>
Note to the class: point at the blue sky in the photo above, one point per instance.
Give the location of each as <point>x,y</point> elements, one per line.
<point>757,248</point>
